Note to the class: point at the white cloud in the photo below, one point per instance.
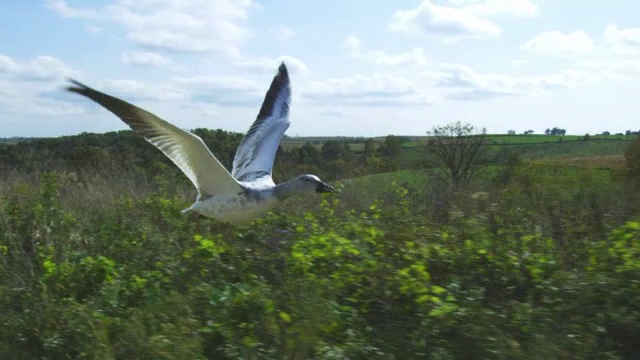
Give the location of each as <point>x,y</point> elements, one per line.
<point>451,81</point>
<point>93,29</point>
<point>61,7</point>
<point>266,64</point>
<point>171,41</point>
<point>555,42</point>
<point>416,56</point>
<point>374,85</point>
<point>372,90</point>
<point>136,90</point>
<point>352,42</point>
<point>332,112</point>
<point>145,58</point>
<point>518,62</point>
<point>611,57</point>
<point>457,75</point>
<point>229,90</point>
<point>174,25</point>
<point>49,108</point>
<point>622,42</point>
<point>206,110</point>
<point>40,68</point>
<point>464,83</point>
<point>9,65</point>
<point>281,32</point>
<point>616,36</point>
<point>619,70</point>
<point>445,23</point>
<point>6,91</point>
<point>515,8</point>
<point>32,87</point>
<point>247,89</point>
<point>219,82</point>
<point>18,99</point>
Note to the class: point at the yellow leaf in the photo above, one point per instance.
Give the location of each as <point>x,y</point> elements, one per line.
<point>284,316</point>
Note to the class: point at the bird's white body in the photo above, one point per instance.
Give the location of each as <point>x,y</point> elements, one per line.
<point>248,191</point>
<point>255,199</point>
<point>236,209</point>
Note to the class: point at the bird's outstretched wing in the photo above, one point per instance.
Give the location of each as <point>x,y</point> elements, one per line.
<point>185,149</point>
<point>255,155</point>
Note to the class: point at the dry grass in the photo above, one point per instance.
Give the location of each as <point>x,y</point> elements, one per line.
<point>613,162</point>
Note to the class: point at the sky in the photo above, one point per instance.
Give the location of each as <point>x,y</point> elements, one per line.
<point>357,67</point>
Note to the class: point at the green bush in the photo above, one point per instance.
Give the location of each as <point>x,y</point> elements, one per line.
<point>521,272</point>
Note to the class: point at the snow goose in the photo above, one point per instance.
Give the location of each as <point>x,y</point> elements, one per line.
<point>248,191</point>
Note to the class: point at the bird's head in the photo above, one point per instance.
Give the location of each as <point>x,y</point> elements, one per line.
<point>313,183</point>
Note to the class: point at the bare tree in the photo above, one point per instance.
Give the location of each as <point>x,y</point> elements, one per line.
<point>457,152</point>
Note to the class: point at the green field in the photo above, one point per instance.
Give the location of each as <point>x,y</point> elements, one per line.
<point>559,149</point>
<point>531,146</point>
<point>527,139</point>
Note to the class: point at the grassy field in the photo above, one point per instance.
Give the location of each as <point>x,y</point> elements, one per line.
<point>536,139</point>
<point>360,192</point>
<point>531,146</point>
<point>356,143</point>
<point>567,149</point>
<point>371,187</point>
<point>598,162</point>
<point>12,141</point>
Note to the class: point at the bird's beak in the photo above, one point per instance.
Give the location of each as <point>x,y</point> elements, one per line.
<point>324,188</point>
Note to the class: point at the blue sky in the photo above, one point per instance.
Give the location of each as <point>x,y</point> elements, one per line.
<point>358,68</point>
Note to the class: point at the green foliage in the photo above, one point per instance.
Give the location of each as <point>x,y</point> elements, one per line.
<point>624,251</point>
<point>614,274</point>
<point>632,157</point>
<point>392,146</point>
<point>536,262</point>
<point>369,149</point>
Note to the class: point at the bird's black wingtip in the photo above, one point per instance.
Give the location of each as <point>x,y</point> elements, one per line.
<point>75,85</point>
<point>279,86</point>
<point>282,69</point>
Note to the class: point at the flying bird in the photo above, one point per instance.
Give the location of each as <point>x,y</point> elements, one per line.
<point>248,191</point>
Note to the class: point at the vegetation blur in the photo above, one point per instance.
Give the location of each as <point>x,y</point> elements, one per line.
<point>456,245</point>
